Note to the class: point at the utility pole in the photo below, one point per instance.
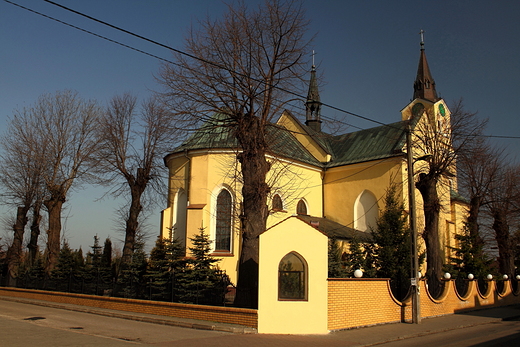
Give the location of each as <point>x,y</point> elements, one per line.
<point>416,295</point>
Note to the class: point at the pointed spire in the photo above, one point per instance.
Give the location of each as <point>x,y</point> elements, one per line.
<point>313,103</point>
<point>424,85</point>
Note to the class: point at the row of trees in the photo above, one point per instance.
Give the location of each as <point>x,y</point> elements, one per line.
<point>246,66</point>
<point>388,254</point>
<point>165,275</point>
<point>63,142</point>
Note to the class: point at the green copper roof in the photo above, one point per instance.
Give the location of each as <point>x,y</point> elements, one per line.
<point>370,144</point>
<point>215,134</point>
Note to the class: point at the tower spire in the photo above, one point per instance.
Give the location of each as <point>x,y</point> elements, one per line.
<point>313,103</point>
<point>424,85</point>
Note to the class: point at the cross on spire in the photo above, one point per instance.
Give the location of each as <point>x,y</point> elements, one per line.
<point>313,54</point>
<point>422,38</point>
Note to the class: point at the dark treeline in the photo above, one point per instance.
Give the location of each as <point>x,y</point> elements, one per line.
<point>164,275</point>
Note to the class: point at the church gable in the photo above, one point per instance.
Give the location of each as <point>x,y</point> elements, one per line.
<point>304,137</point>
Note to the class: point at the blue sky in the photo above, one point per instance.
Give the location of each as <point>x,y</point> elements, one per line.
<point>366,51</point>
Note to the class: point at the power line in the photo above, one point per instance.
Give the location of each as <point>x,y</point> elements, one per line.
<point>90,32</point>
<point>221,67</point>
<point>197,58</point>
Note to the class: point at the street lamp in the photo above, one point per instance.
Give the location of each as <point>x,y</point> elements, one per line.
<point>414,280</point>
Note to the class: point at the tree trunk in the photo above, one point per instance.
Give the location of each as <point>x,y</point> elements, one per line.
<point>506,262</point>
<point>474,209</point>
<point>254,169</point>
<point>54,206</point>
<point>428,188</point>
<point>137,188</point>
<point>35,233</point>
<point>14,252</point>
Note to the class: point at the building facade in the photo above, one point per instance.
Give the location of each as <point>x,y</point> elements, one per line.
<point>334,183</point>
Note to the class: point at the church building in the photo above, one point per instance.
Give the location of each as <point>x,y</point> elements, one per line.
<point>334,183</point>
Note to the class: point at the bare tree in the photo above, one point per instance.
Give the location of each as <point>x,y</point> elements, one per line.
<point>60,136</point>
<point>503,207</point>
<point>20,178</point>
<point>132,148</point>
<point>479,171</point>
<point>443,142</point>
<point>241,67</point>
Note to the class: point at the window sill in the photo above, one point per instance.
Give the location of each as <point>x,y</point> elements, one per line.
<point>222,254</point>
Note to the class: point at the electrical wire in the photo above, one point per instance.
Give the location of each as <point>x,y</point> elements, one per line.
<point>190,56</point>
<point>197,58</point>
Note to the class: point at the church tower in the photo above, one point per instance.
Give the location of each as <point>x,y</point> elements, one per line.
<point>313,103</point>
<point>424,86</point>
<point>425,98</point>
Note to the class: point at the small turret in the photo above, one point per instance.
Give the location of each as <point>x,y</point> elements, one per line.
<point>313,103</point>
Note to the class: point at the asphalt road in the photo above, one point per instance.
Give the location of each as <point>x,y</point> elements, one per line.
<point>32,325</point>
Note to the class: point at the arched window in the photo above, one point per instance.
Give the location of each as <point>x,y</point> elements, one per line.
<point>301,208</point>
<point>366,211</point>
<point>292,277</point>
<point>277,203</point>
<point>223,222</point>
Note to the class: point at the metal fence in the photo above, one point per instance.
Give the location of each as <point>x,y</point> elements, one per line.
<point>167,289</point>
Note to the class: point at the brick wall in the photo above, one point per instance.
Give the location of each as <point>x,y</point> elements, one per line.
<point>228,315</point>
<point>355,302</point>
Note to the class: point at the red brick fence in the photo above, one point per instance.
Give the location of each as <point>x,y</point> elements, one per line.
<point>229,315</point>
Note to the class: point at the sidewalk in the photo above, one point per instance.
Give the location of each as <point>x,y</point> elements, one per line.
<point>374,335</point>
<point>366,336</point>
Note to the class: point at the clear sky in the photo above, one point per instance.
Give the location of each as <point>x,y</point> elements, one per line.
<point>366,51</point>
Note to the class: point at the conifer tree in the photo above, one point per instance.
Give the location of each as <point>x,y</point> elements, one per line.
<point>106,257</point>
<point>133,274</point>
<point>200,281</point>
<point>469,257</point>
<point>66,263</point>
<point>337,266</point>
<point>393,244</point>
<point>355,258</point>
<point>165,260</point>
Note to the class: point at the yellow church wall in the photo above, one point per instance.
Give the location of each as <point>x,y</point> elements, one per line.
<point>343,185</point>
<point>292,182</point>
<point>293,316</point>
<point>210,171</point>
